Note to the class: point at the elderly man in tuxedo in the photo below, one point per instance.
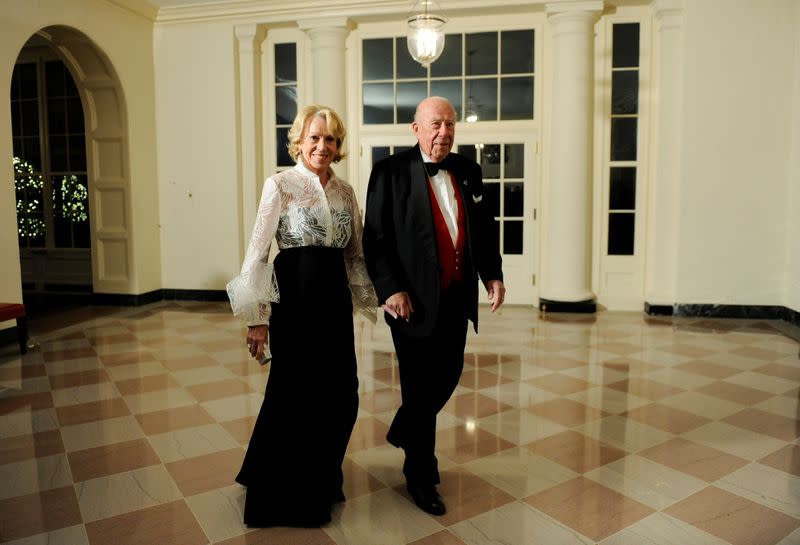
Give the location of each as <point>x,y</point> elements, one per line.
<point>427,240</point>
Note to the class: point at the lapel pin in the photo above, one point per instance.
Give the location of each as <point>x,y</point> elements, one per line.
<point>477,198</point>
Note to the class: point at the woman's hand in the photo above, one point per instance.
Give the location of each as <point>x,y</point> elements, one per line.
<point>257,338</point>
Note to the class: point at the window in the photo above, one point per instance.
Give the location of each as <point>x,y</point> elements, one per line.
<point>49,157</point>
<point>488,76</point>
<point>624,128</point>
<point>285,99</point>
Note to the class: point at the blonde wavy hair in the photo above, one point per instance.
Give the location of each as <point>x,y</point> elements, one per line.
<point>303,119</point>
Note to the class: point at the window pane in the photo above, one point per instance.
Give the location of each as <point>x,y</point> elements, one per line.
<point>57,116</point>
<point>514,160</point>
<point>407,67</point>
<point>17,147</point>
<point>16,85</point>
<point>30,117</point>
<point>512,237</point>
<point>58,153</point>
<point>408,96</point>
<point>491,196</point>
<point>77,153</point>
<point>482,99</point>
<point>54,72</point>
<point>70,90</point>
<point>449,89</point>
<point>285,104</point>
<point>494,231</point>
<point>378,153</point>
<point>490,161</point>
<point>625,46</point>
<point>74,115</point>
<point>32,152</point>
<point>401,149</point>
<point>517,51</point>
<point>378,103</point>
<point>513,198</point>
<point>620,233</point>
<point>449,63</point>
<point>281,147</point>
<point>377,58</point>
<point>516,98</point>
<point>623,139</point>
<point>285,63</point>
<point>27,78</point>
<point>469,151</point>
<point>16,119</point>
<point>625,92</point>
<point>481,53</point>
<point>622,189</point>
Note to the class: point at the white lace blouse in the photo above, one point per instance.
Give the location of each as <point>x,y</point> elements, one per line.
<point>296,211</point>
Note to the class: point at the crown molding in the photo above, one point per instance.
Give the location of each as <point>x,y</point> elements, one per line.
<point>141,8</point>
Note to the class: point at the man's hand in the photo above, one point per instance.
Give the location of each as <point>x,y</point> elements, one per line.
<point>497,293</point>
<point>399,306</point>
<point>257,338</point>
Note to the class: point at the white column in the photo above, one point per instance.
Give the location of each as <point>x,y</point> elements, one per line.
<point>567,259</point>
<point>329,85</point>
<point>248,39</point>
<point>662,213</point>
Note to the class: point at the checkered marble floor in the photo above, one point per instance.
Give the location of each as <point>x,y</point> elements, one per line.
<point>128,428</point>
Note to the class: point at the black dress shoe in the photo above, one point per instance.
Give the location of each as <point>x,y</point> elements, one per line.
<point>427,498</point>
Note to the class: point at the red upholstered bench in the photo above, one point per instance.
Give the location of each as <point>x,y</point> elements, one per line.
<point>16,311</point>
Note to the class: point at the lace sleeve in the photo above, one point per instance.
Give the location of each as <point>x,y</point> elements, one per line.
<point>255,288</point>
<point>364,299</point>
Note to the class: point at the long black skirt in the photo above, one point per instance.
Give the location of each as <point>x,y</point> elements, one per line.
<point>293,466</point>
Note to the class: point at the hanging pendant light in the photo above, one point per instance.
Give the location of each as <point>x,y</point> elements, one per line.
<point>425,34</point>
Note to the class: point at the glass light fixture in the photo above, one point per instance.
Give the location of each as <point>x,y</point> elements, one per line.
<point>425,34</point>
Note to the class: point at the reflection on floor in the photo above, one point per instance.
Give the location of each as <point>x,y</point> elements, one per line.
<point>128,428</point>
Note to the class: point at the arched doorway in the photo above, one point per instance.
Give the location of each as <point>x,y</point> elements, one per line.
<point>71,141</point>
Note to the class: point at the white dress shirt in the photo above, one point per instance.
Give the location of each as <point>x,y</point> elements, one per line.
<point>445,196</point>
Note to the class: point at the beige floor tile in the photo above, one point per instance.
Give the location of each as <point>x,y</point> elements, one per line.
<point>358,481</point>
<point>100,432</point>
<point>519,426</point>
<point>234,407</point>
<point>218,390</point>
<point>84,394</point>
<point>516,524</point>
<point>628,435</point>
<point>29,386</point>
<point>766,486</point>
<point>661,529</point>
<point>466,495</point>
<point>121,493</point>
<point>464,443</point>
<point>60,367</point>
<point>596,373</point>
<point>679,378</point>
<point>647,482</point>
<point>27,422</point>
<point>576,451</point>
<point>611,513</point>
<point>518,394</point>
<point>645,388</point>
<point>159,400</point>
<point>735,392</point>
<point>519,472</point>
<point>241,429</point>
<point>220,512</point>
<point>40,512</point>
<point>788,372</point>
<point>559,384</point>
<point>69,354</point>
<point>283,536</point>
<point>35,474</point>
<point>703,405</point>
<point>713,510</point>
<point>760,381</point>
<point>192,442</point>
<point>667,418</point>
<point>72,535</point>
<point>383,462</point>
<point>171,523</point>
<point>119,373</point>
<point>167,420</point>
<point>184,362</point>
<point>445,537</point>
<point>383,517</point>
<point>607,400</point>
<point>380,400</point>
<point>127,358</point>
<point>792,539</point>
<point>478,379</point>
<point>95,410</point>
<point>474,405</point>
<point>708,369</point>
<point>78,378</point>
<point>202,375</point>
<point>781,405</point>
<point>192,475</point>
<point>368,432</point>
<point>24,447</point>
<point>734,440</point>
<point>567,412</point>
<point>144,384</point>
<point>110,459</point>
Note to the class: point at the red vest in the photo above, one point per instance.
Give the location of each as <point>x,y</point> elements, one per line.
<point>451,259</point>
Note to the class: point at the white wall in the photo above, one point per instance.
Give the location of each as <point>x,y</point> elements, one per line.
<point>738,89</point>
<point>197,151</point>
<point>792,281</point>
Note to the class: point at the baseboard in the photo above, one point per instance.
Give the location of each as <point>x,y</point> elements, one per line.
<point>579,307</point>
<point>194,295</point>
<point>8,336</point>
<point>754,312</point>
<point>126,299</point>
